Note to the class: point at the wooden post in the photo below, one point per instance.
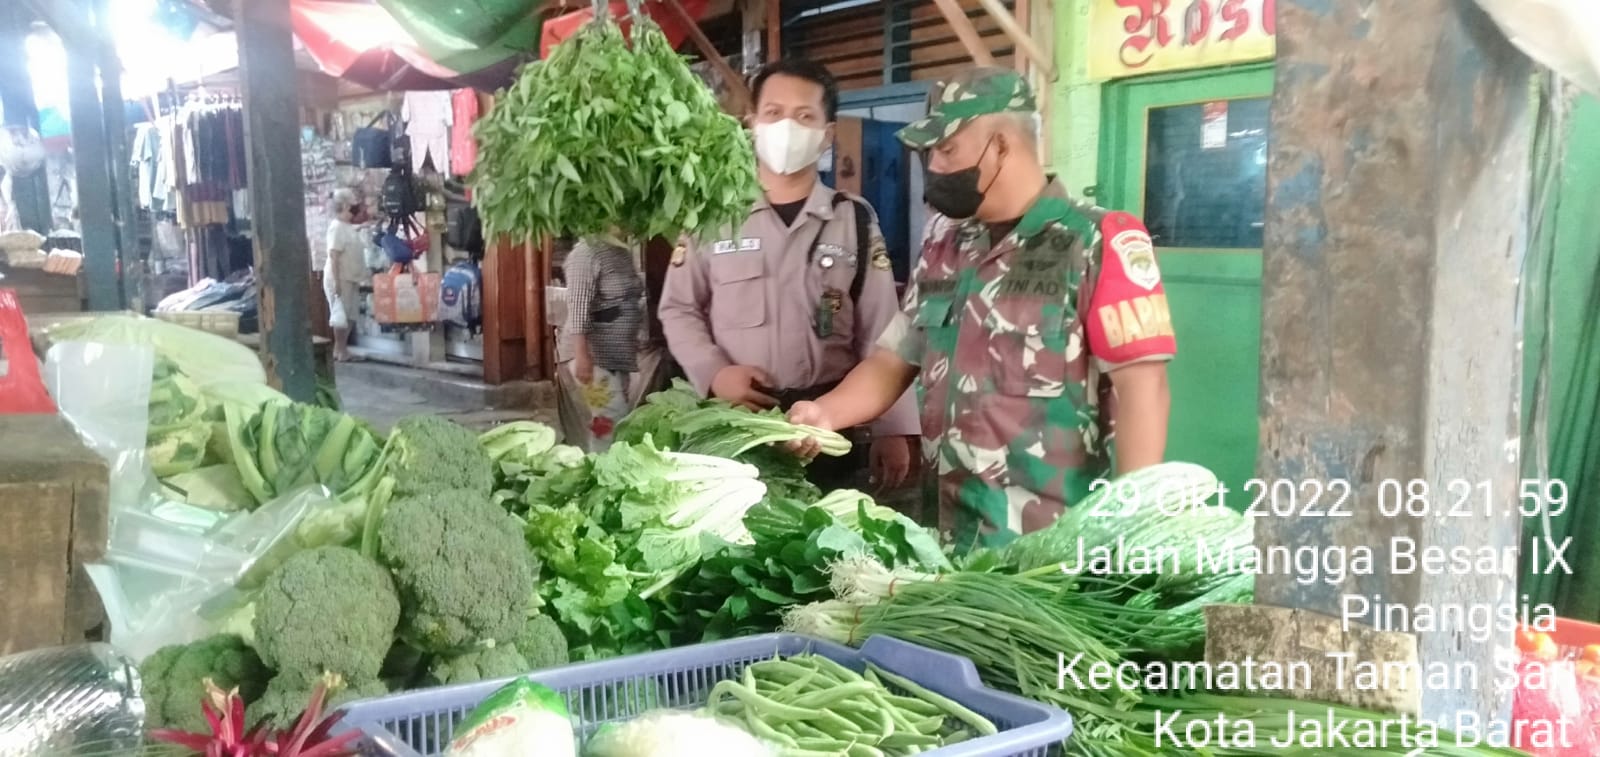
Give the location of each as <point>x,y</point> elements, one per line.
<point>774,30</point>
<point>541,355</point>
<point>504,311</point>
<point>30,193</point>
<point>1019,35</point>
<point>965,31</point>
<point>277,192</point>
<point>95,212</point>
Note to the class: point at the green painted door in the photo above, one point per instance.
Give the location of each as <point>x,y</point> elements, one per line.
<point>1188,154</point>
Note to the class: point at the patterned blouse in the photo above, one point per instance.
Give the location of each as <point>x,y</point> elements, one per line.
<point>605,301</point>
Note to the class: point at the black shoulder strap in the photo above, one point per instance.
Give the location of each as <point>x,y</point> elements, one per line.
<point>863,242</point>
<point>863,216</point>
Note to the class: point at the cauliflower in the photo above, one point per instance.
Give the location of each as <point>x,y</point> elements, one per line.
<point>327,610</point>
<point>172,681</point>
<point>462,568</point>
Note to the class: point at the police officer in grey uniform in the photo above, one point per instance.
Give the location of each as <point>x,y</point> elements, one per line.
<point>780,311</point>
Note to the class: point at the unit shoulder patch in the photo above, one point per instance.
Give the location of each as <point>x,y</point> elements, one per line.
<point>1134,249</point>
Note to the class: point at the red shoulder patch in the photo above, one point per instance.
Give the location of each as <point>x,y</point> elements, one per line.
<point>1127,319</point>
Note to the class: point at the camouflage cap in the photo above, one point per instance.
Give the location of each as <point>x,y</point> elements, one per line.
<point>981,91</point>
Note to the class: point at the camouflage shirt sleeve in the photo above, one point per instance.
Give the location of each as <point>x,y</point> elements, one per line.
<point>901,336</point>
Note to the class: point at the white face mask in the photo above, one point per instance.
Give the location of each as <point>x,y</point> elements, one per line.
<point>787,147</point>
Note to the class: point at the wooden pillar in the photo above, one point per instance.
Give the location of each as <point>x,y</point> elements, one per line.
<point>30,193</point>
<point>774,17</point>
<point>505,297</point>
<point>538,331</point>
<point>1395,226</point>
<point>96,212</point>
<point>277,192</point>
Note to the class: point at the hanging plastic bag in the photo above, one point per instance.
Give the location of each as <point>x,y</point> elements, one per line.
<point>166,581</point>
<point>21,389</point>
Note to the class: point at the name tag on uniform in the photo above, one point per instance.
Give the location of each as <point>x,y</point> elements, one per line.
<point>747,244</point>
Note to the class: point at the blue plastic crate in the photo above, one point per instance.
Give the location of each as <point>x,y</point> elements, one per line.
<point>422,722</point>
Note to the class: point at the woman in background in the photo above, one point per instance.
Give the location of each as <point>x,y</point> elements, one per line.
<point>600,341</point>
<point>346,268</point>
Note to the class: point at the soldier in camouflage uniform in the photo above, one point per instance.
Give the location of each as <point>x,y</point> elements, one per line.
<point>1024,303</point>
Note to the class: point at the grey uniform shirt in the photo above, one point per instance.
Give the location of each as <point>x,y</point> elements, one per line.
<point>753,298</point>
<point>605,303</point>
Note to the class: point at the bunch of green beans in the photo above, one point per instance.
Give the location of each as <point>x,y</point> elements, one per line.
<point>811,706</point>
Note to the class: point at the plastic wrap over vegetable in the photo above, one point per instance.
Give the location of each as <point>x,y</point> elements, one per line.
<point>674,734</point>
<point>521,718</point>
<point>78,701</point>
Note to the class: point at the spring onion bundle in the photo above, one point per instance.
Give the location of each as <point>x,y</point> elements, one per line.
<point>599,138</point>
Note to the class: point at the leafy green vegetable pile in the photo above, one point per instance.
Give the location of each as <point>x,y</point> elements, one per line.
<point>677,419</point>
<point>742,590</point>
<point>599,138</point>
<point>616,531</point>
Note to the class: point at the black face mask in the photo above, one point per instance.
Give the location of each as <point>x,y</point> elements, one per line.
<point>956,194</point>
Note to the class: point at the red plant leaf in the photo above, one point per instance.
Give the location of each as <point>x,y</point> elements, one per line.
<point>199,742</point>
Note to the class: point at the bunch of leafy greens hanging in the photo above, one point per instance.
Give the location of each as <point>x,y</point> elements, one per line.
<point>599,138</point>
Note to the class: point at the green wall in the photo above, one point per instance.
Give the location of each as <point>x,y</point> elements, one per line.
<point>1074,102</point>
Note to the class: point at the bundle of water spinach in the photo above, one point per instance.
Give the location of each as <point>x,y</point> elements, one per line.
<point>602,138</point>
<point>811,706</point>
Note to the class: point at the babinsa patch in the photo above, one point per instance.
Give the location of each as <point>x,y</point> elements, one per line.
<point>1138,255</point>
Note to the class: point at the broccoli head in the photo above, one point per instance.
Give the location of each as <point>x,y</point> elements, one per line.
<point>463,569</point>
<point>542,644</point>
<point>480,664</point>
<point>172,680</point>
<point>327,610</point>
<point>286,698</point>
<point>431,454</point>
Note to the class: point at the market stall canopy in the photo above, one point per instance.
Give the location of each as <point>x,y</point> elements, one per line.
<point>366,44</point>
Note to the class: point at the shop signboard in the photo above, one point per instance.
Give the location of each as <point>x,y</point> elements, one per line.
<point>1134,37</point>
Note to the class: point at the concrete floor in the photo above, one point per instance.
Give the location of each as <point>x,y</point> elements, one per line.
<point>382,394</point>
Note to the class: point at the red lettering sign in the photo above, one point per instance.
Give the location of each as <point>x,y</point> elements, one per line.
<point>1197,22</point>
<point>1146,26</point>
<point>1234,12</point>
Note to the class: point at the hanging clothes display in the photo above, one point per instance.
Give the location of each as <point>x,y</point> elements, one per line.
<point>428,117</point>
<point>196,162</point>
<point>463,147</point>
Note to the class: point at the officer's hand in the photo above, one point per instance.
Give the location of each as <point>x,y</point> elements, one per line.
<point>891,460</point>
<point>807,414</point>
<point>740,385</point>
